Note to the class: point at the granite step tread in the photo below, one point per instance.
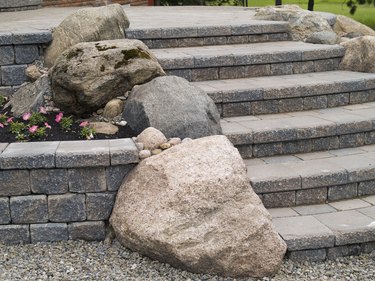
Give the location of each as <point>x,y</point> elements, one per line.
<point>316,177</point>
<point>207,30</point>
<point>289,87</point>
<point>317,232</point>
<point>204,35</point>
<point>304,131</point>
<point>285,93</point>
<point>244,54</point>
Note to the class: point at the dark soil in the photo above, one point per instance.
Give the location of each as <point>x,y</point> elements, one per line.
<point>56,133</point>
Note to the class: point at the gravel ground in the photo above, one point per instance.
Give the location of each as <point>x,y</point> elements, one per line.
<point>75,260</point>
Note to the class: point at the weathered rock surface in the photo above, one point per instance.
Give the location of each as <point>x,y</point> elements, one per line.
<point>30,97</point>
<point>113,108</point>
<point>323,37</point>
<point>104,128</point>
<point>346,25</point>
<point>302,22</point>
<point>32,72</point>
<point>359,54</point>
<point>174,106</point>
<point>88,75</point>
<point>193,207</point>
<point>151,138</point>
<point>87,25</point>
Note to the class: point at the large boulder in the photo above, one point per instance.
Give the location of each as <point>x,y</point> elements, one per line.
<point>174,106</point>
<point>87,25</point>
<point>88,75</point>
<point>302,22</point>
<point>30,96</point>
<point>359,54</point>
<point>193,207</point>
<point>345,25</point>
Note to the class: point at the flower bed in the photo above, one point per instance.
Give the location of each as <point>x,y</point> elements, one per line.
<point>49,126</point>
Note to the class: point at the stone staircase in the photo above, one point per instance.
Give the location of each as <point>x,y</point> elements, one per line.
<point>305,129</point>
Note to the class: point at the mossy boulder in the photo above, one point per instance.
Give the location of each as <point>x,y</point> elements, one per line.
<point>88,75</point>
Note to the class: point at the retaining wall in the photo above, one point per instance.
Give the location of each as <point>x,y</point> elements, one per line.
<point>17,51</point>
<point>72,3</point>
<point>53,191</point>
<point>19,5</point>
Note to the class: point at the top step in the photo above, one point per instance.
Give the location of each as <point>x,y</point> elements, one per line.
<point>173,37</point>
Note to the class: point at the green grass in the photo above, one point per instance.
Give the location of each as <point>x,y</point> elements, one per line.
<point>364,14</point>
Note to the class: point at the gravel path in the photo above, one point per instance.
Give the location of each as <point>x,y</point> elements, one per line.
<point>75,260</point>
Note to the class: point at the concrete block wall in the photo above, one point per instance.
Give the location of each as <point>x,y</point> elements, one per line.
<point>53,191</point>
<point>17,51</point>
<point>19,5</point>
<point>74,3</point>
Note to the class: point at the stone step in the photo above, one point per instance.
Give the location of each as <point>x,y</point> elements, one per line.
<point>301,132</point>
<point>248,60</point>
<point>286,93</point>
<point>327,231</point>
<point>173,37</point>
<point>313,178</point>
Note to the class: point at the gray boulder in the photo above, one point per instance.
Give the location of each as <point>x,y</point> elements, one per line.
<point>31,96</point>
<point>302,22</point>
<point>174,106</point>
<point>87,25</point>
<point>192,206</point>
<point>323,37</point>
<point>88,75</point>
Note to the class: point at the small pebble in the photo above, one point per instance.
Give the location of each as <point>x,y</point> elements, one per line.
<point>156,151</point>
<point>164,146</point>
<point>100,111</point>
<point>143,154</point>
<point>122,123</point>
<point>186,140</point>
<point>174,141</point>
<point>139,146</point>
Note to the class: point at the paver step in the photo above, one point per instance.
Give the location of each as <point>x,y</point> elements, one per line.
<point>173,37</point>
<point>313,178</point>
<point>286,93</point>
<point>327,231</point>
<point>248,60</point>
<point>301,132</point>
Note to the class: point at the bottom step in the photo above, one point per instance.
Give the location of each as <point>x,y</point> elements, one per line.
<point>313,178</point>
<point>327,231</point>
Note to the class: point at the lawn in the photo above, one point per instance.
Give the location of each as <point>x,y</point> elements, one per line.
<point>364,13</point>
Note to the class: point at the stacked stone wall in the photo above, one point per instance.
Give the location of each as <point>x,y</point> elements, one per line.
<point>17,51</point>
<point>56,191</point>
<point>74,3</point>
<point>19,5</point>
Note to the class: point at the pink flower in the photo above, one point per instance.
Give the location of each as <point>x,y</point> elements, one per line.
<point>33,129</point>
<point>10,120</point>
<point>42,110</point>
<point>84,124</point>
<point>47,125</point>
<point>26,116</point>
<point>59,117</point>
<point>1,125</point>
